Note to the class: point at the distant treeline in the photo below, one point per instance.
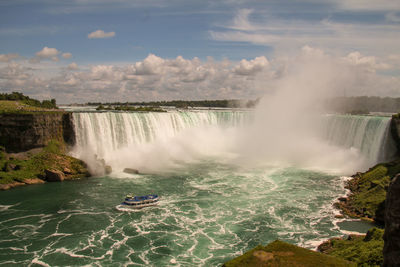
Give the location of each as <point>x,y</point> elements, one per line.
<point>16,96</point>
<point>130,108</point>
<point>363,104</point>
<point>185,104</point>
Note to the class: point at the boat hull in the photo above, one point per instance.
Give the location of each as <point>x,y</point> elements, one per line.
<point>139,202</point>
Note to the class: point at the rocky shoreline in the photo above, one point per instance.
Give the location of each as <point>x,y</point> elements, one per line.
<point>48,164</point>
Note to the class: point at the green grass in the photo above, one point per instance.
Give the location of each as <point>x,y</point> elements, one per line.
<point>369,190</point>
<point>8,106</point>
<point>51,157</point>
<point>279,253</point>
<point>364,250</point>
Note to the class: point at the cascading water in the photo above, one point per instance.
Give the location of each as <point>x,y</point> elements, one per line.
<point>112,130</point>
<point>370,135</point>
<point>107,134</point>
<point>212,208</point>
<point>102,134</point>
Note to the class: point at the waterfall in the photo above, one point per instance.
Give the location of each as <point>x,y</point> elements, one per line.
<point>370,135</point>
<point>105,133</point>
<point>134,139</point>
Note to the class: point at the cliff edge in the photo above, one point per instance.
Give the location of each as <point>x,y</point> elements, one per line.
<point>33,145</point>
<point>24,127</point>
<point>391,250</point>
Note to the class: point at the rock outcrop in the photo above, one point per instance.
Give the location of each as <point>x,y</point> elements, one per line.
<point>391,250</point>
<point>24,131</point>
<point>54,176</point>
<point>131,171</point>
<point>395,130</point>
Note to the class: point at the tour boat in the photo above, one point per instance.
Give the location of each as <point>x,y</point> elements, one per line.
<point>138,202</point>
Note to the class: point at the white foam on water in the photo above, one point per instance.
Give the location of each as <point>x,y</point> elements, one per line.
<point>7,207</point>
<point>39,262</point>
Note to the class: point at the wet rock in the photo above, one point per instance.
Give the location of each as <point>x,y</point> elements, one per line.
<point>67,171</point>
<point>34,181</point>
<point>54,176</point>
<point>107,169</point>
<point>4,186</point>
<point>131,171</point>
<point>11,185</point>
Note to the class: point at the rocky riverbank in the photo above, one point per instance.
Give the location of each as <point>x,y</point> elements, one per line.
<point>368,192</point>
<point>39,165</point>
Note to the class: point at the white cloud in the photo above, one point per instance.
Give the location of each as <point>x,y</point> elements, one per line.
<point>369,4</point>
<point>66,55</point>
<point>8,57</point>
<point>150,65</point>
<point>156,78</point>
<point>72,66</point>
<point>251,67</point>
<point>100,34</point>
<point>370,62</point>
<point>291,34</point>
<point>392,17</point>
<point>47,52</point>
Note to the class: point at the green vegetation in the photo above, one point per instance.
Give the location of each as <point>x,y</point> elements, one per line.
<point>32,164</point>
<point>279,253</point>
<point>368,192</point>
<point>130,108</point>
<point>363,104</point>
<point>358,112</point>
<point>16,96</point>
<point>7,106</point>
<point>364,250</point>
<point>234,103</point>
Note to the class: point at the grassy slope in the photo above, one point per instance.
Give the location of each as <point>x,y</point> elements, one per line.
<point>51,157</point>
<point>7,106</point>
<point>279,253</point>
<point>364,250</point>
<point>368,192</point>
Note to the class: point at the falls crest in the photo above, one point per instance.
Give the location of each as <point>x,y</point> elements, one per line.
<point>370,135</point>
<point>125,137</point>
<point>104,134</point>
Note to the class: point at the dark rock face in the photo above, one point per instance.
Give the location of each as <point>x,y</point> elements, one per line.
<point>107,169</point>
<point>21,132</point>
<point>395,130</point>
<point>391,250</point>
<point>54,176</point>
<point>68,129</point>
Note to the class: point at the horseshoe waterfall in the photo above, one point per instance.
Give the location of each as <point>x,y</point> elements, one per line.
<point>225,186</point>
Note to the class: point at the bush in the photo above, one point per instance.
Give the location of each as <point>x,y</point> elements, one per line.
<point>16,96</point>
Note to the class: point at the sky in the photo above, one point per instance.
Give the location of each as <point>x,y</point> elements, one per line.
<point>81,51</point>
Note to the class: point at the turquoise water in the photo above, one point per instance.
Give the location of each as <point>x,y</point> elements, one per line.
<point>209,212</point>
